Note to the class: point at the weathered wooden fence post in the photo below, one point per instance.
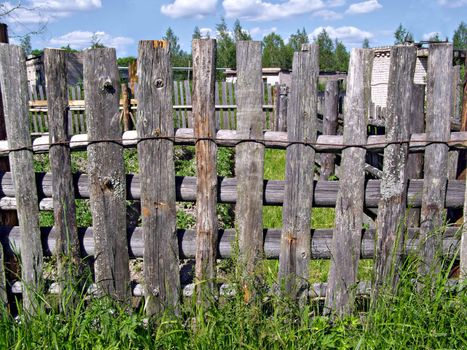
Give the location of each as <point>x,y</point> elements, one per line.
<point>13,82</point>
<point>249,160</point>
<point>6,218</point>
<point>281,108</point>
<point>417,125</point>
<point>68,246</point>
<point>391,223</point>
<point>204,74</point>
<point>346,238</point>
<point>126,111</point>
<point>156,162</point>
<point>439,99</point>
<point>331,112</point>
<point>295,250</point>
<point>107,186</point>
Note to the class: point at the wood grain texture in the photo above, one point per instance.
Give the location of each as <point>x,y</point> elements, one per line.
<point>330,118</point>
<point>417,125</point>
<point>13,82</point>
<point>249,156</point>
<point>391,222</point>
<point>281,108</point>
<point>320,242</point>
<point>439,100</point>
<point>345,248</point>
<point>296,213</point>
<point>204,58</point>
<point>157,177</point>
<point>68,248</point>
<point>106,173</point>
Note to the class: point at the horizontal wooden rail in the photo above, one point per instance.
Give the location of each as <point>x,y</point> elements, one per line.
<point>272,139</point>
<point>320,242</point>
<point>325,192</point>
<point>78,105</point>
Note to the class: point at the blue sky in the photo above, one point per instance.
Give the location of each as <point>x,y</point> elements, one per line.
<point>121,23</point>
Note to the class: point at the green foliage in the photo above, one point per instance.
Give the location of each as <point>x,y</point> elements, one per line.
<point>37,52</point>
<point>326,51</point>
<point>125,61</point>
<point>459,39</point>
<point>402,35</point>
<point>366,43</point>
<point>298,39</point>
<point>196,33</point>
<point>67,48</point>
<point>25,43</point>
<point>226,54</point>
<point>275,52</point>
<point>239,33</point>
<point>341,57</point>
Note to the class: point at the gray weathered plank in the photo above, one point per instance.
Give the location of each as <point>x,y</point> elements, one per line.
<point>204,73</point>
<point>324,194</point>
<point>391,222</point>
<point>331,112</point>
<point>106,173</point>
<point>439,100</point>
<point>296,213</point>
<point>345,248</point>
<point>463,247</point>
<point>320,242</point>
<point>188,102</point>
<point>417,125</point>
<point>14,86</point>
<point>180,123</point>
<point>225,117</point>
<point>249,161</point>
<point>232,101</point>
<point>218,102</point>
<point>281,108</point>
<point>157,174</point>
<point>68,248</point>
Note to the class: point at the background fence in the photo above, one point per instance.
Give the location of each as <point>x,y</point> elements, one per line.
<point>159,241</point>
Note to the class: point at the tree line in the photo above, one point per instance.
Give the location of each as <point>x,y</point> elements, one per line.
<point>277,52</point>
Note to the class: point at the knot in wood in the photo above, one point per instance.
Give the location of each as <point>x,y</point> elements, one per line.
<point>155,292</point>
<point>159,83</point>
<point>108,86</point>
<point>107,184</point>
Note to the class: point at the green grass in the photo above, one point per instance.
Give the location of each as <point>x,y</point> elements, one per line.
<point>432,317</point>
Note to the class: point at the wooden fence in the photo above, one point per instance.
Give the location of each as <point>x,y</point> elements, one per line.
<point>159,241</point>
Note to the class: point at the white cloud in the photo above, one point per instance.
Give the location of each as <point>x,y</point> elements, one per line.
<point>453,3</point>
<point>431,35</point>
<point>260,33</point>
<point>258,10</point>
<point>350,36</point>
<point>41,11</point>
<point>364,7</point>
<point>83,39</point>
<point>328,15</point>
<point>189,8</point>
<point>205,32</point>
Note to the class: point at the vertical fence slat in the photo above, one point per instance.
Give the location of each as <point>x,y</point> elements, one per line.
<point>74,114</point>
<point>13,82</point>
<point>417,125</point>
<point>281,108</point>
<point>439,99</point>
<point>232,112</point>
<point>345,245</point>
<point>6,217</point>
<point>218,102</point>
<point>67,246</point>
<point>249,160</point>
<point>183,103</point>
<point>80,114</point>
<point>107,187</point>
<point>156,161</point>
<point>225,112</point>
<point>463,247</point>
<point>270,111</point>
<point>295,249</point>
<point>188,102</point>
<point>331,104</point>
<point>393,202</point>
<point>204,73</point>
<point>179,121</point>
